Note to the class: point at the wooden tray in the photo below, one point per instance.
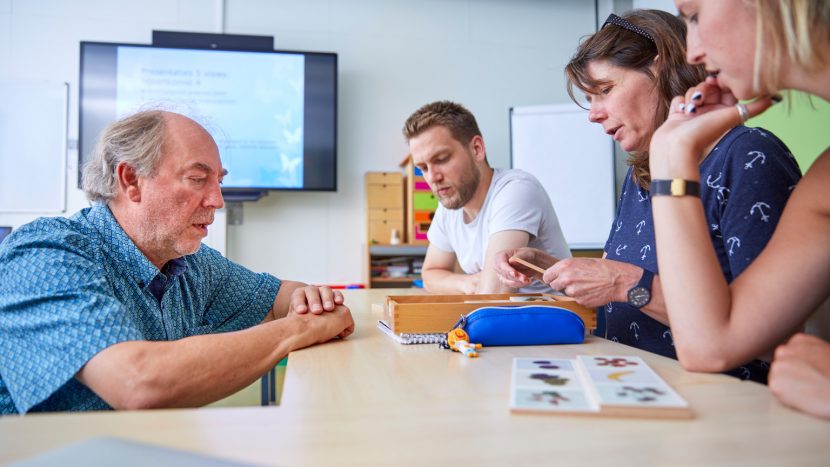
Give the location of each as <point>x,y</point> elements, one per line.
<point>438,313</point>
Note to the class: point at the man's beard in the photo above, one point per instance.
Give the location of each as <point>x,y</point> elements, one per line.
<point>166,239</point>
<point>464,191</point>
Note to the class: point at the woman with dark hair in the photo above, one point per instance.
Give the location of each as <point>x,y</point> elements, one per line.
<point>629,72</point>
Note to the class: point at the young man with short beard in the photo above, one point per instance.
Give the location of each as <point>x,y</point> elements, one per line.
<point>482,210</point>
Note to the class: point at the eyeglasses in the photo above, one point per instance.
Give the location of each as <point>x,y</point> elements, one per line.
<point>616,20</point>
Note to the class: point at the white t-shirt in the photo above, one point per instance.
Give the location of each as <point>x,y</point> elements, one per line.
<point>515,201</point>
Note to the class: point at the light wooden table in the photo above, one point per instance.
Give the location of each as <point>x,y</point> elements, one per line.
<point>370,401</point>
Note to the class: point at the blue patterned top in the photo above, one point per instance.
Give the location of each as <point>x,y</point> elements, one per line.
<point>745,183</point>
<point>69,288</point>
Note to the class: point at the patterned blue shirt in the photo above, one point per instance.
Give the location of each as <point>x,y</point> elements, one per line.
<point>70,288</point>
<point>745,183</point>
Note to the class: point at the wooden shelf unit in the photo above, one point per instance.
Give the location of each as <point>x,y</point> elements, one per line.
<point>402,255</point>
<point>384,206</point>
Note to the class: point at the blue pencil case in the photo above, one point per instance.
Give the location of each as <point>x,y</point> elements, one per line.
<point>523,325</point>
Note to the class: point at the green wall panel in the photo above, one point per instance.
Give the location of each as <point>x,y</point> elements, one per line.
<point>802,122</point>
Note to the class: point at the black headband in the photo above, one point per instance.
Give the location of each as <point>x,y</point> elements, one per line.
<point>614,19</point>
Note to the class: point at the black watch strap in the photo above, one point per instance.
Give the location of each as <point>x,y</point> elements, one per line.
<point>640,295</point>
<point>646,279</point>
<point>675,187</point>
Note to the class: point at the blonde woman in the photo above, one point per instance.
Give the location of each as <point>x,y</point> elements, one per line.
<point>751,50</point>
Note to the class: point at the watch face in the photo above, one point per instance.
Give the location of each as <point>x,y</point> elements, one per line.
<point>639,296</point>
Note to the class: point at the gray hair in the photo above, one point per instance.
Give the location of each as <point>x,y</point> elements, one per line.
<point>135,140</point>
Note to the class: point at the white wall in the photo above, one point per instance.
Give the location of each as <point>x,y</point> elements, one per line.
<point>394,55</point>
<point>39,40</point>
<point>665,5</point>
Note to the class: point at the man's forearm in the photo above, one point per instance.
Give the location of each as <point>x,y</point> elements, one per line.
<point>489,283</point>
<point>193,371</point>
<point>444,281</point>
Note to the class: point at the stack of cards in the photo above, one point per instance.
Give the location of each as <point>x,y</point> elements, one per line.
<point>593,385</point>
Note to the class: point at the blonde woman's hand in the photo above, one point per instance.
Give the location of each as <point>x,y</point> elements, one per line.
<point>696,120</point>
<point>800,374</point>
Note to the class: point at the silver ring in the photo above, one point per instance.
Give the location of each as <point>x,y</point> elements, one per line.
<point>743,113</point>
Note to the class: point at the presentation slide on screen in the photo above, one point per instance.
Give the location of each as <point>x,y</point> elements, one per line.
<point>252,104</point>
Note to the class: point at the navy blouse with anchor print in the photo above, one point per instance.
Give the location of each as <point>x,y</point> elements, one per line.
<point>745,183</point>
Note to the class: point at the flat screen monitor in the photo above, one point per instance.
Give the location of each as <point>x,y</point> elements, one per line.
<point>273,114</point>
<point>4,232</point>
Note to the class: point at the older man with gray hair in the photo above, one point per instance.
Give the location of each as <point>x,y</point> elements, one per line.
<point>121,306</point>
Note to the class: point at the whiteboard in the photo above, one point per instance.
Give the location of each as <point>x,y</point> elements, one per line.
<point>33,125</point>
<point>574,161</point>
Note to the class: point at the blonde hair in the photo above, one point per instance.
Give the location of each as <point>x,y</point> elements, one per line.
<point>798,28</point>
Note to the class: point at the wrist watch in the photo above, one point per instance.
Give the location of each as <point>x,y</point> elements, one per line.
<point>640,294</point>
<point>675,187</point>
